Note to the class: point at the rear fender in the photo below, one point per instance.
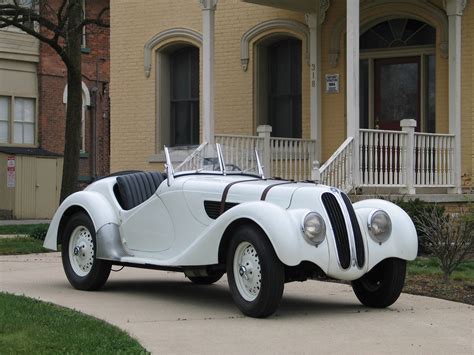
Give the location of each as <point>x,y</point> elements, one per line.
<point>93,203</point>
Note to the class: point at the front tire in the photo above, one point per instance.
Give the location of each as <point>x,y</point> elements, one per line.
<point>78,251</point>
<point>255,274</point>
<point>382,285</point>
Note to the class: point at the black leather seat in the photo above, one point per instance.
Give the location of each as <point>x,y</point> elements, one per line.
<point>133,189</point>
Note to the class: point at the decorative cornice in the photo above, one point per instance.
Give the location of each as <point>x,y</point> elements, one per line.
<point>278,24</point>
<point>311,20</point>
<point>208,4</point>
<point>454,7</point>
<point>323,7</point>
<point>156,40</point>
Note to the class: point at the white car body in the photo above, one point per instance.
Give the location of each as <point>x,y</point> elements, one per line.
<point>208,216</point>
<point>171,229</point>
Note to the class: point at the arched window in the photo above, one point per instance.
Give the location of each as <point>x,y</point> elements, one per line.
<point>184,97</point>
<point>279,85</point>
<point>86,101</point>
<point>400,32</point>
<point>397,74</point>
<point>177,95</point>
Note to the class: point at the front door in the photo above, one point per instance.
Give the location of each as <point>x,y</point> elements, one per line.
<point>397,92</point>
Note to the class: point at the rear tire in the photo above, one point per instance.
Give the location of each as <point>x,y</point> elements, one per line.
<point>205,280</point>
<point>255,274</point>
<point>382,285</point>
<point>78,251</point>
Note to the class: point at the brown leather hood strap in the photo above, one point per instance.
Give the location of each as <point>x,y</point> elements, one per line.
<point>269,187</point>
<point>226,191</point>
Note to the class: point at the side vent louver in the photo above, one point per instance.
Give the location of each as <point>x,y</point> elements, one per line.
<point>213,207</point>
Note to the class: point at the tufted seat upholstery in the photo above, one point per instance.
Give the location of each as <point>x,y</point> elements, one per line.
<point>133,189</point>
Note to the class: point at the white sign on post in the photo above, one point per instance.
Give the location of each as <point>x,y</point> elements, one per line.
<point>332,83</point>
<point>11,171</point>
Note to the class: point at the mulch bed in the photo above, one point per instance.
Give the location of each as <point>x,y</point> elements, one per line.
<point>434,286</point>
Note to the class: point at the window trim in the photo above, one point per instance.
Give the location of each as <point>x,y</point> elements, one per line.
<point>260,106</point>
<point>11,121</point>
<point>86,102</point>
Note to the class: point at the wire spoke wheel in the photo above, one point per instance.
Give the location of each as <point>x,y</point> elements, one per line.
<point>247,271</point>
<point>255,274</point>
<point>81,251</point>
<point>78,251</point>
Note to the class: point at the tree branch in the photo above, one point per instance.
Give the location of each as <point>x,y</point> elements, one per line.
<point>5,22</point>
<point>98,20</point>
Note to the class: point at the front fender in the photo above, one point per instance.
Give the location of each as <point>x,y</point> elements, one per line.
<point>282,227</point>
<point>403,242</point>
<point>95,204</point>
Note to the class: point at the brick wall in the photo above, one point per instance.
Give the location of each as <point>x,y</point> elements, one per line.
<point>52,80</point>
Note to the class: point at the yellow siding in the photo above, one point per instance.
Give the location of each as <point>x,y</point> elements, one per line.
<point>133,96</point>
<point>467,89</point>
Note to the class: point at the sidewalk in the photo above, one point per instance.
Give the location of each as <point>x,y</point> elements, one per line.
<point>8,222</point>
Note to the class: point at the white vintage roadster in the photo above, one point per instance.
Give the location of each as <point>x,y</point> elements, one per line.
<point>207,215</point>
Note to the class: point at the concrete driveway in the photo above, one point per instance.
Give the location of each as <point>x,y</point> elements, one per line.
<point>168,314</point>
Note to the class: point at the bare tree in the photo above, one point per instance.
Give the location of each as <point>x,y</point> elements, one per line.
<point>59,24</point>
<point>450,238</point>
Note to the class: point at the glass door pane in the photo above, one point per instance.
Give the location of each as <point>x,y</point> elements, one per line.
<point>397,91</point>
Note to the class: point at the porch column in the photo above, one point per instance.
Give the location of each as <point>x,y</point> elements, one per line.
<point>208,9</point>
<point>315,89</point>
<point>454,10</point>
<point>352,82</point>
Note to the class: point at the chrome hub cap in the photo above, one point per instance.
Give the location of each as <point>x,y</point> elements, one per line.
<point>247,271</point>
<point>81,251</point>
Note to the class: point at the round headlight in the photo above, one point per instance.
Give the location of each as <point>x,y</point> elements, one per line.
<point>380,226</point>
<point>314,228</point>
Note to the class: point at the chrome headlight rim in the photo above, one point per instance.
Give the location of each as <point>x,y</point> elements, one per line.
<point>313,238</point>
<point>384,235</point>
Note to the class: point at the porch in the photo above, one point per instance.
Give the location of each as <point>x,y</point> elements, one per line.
<point>388,161</point>
<point>405,161</point>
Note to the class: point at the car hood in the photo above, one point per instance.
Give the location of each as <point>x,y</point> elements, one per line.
<point>239,189</point>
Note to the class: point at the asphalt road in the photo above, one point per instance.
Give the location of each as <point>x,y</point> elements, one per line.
<point>169,314</point>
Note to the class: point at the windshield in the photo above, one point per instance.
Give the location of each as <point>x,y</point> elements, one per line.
<point>212,158</point>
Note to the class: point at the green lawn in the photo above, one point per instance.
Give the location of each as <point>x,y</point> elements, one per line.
<point>21,245</point>
<point>29,326</point>
<point>20,228</point>
<point>429,266</point>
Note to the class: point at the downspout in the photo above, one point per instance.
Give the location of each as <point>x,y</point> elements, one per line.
<point>95,92</point>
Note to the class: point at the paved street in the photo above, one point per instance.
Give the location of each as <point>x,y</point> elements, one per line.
<point>168,314</point>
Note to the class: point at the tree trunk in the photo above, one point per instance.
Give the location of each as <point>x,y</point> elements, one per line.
<point>74,102</point>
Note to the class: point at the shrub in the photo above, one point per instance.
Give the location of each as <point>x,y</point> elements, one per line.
<point>39,232</point>
<point>419,211</point>
<point>450,238</point>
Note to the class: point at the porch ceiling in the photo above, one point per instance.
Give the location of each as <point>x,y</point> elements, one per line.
<point>294,5</point>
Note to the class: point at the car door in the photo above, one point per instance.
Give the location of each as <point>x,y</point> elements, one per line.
<point>148,227</point>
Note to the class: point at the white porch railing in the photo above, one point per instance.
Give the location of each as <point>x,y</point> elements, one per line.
<point>401,159</point>
<point>382,157</point>
<point>292,158</point>
<point>287,158</point>
<point>434,160</point>
<point>337,170</point>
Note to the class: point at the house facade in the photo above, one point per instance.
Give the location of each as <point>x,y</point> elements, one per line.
<point>33,99</point>
<point>379,92</point>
